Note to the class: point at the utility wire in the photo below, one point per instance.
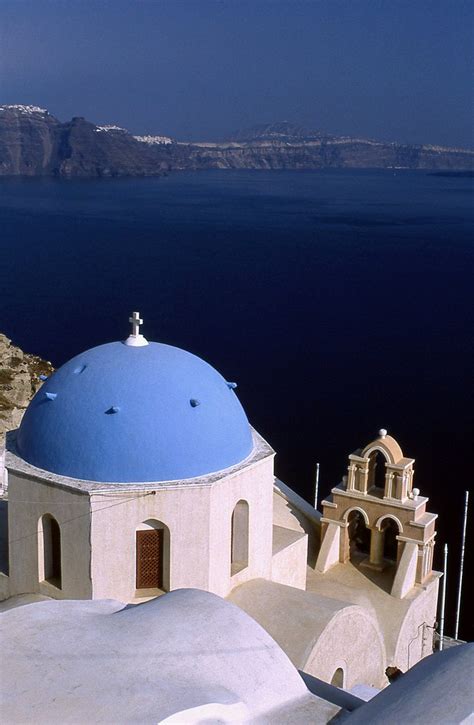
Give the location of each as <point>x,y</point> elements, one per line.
<point>81,516</point>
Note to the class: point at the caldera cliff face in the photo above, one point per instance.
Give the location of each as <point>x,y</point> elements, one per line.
<point>35,143</point>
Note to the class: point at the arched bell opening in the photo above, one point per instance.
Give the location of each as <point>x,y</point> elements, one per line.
<point>390,531</point>
<point>377,463</point>
<point>359,535</point>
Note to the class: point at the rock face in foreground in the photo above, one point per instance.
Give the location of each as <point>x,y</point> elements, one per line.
<point>19,381</point>
<point>35,143</point>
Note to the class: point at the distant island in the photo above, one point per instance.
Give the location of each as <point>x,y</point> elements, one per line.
<point>35,143</point>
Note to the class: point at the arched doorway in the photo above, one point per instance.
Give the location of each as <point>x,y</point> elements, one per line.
<point>377,463</point>
<point>390,530</point>
<point>338,678</point>
<point>239,537</point>
<point>359,535</point>
<point>152,548</point>
<point>49,554</point>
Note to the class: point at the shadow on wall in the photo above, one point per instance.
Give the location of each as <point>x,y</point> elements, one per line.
<point>312,529</point>
<point>4,537</point>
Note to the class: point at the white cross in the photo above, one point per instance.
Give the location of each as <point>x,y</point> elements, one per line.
<point>136,322</point>
<point>135,339</point>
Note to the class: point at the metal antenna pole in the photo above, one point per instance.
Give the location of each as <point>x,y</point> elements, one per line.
<point>461,566</point>
<point>443,598</point>
<point>316,487</point>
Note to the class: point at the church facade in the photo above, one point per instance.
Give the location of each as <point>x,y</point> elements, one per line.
<point>125,542</point>
<point>135,472</point>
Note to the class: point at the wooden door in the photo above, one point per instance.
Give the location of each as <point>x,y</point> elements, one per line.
<point>150,559</point>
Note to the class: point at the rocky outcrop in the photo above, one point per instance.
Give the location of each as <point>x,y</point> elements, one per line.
<point>19,380</point>
<point>84,149</point>
<point>27,136</point>
<point>33,143</point>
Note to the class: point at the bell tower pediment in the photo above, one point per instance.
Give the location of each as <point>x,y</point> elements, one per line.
<point>387,445</point>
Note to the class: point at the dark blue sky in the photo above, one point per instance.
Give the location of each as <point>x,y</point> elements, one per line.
<point>390,69</point>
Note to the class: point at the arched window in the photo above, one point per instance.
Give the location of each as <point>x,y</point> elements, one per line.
<point>152,547</point>
<point>239,537</point>
<point>49,550</point>
<point>4,565</point>
<point>359,535</point>
<point>377,462</point>
<point>338,678</point>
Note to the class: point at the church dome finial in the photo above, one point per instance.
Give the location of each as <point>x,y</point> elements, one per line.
<point>135,339</point>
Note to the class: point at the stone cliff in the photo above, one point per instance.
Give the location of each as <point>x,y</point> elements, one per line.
<point>33,143</point>
<point>27,137</point>
<point>19,381</point>
<point>324,154</point>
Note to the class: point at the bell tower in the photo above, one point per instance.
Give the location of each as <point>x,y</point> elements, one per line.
<point>376,519</point>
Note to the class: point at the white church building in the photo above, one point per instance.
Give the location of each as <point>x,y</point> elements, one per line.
<point>135,473</point>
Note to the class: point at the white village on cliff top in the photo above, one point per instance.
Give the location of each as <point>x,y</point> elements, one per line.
<point>157,571</point>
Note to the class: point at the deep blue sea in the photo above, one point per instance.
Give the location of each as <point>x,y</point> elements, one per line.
<point>340,301</point>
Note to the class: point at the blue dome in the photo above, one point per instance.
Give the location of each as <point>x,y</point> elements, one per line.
<point>119,413</point>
